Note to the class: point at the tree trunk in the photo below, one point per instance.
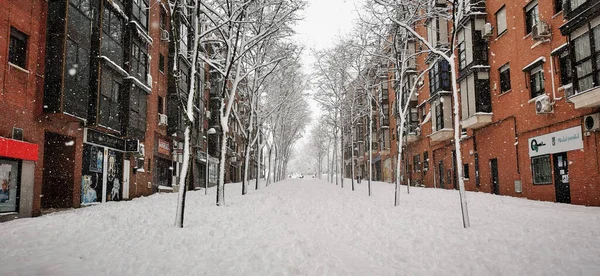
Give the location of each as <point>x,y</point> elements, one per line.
<point>457,131</point>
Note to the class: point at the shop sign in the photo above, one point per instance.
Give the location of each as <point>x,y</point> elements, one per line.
<point>102,139</point>
<point>164,147</point>
<point>559,141</point>
<point>18,149</point>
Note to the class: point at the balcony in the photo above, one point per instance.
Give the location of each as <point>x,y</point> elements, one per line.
<point>411,138</point>
<point>441,135</point>
<point>477,120</point>
<point>585,99</point>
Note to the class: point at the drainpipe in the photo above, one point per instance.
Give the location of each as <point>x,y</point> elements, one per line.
<point>554,99</point>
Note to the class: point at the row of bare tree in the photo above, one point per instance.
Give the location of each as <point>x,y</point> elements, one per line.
<point>383,48</point>
<point>247,47</point>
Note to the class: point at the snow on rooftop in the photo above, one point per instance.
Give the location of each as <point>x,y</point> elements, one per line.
<point>308,227</point>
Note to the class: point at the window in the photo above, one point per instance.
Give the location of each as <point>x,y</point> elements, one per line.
<point>183,43</point>
<point>139,61</point>
<point>462,49</point>
<point>566,72</point>
<point>425,161</point>
<point>140,12</point>
<point>558,6</point>
<point>163,19</point>
<point>417,163</point>
<point>465,171</point>
<point>504,78</point>
<point>423,113</point>
<point>501,20</point>
<point>532,16</point>
<point>137,112</point>
<point>110,100</point>
<point>161,104</point>
<point>439,77</point>
<point>576,3</point>
<point>542,172</point>
<point>112,36</point>
<point>586,61</point>
<point>17,49</point>
<point>161,63</point>
<point>413,120</point>
<point>437,31</point>
<point>536,81</point>
<point>439,116</point>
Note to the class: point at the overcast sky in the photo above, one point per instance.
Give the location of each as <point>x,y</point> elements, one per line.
<point>324,21</point>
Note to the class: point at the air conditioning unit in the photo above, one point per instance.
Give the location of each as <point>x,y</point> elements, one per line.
<point>543,105</point>
<point>541,31</point>
<point>162,120</point>
<point>164,35</point>
<point>207,85</point>
<point>591,122</point>
<point>488,30</point>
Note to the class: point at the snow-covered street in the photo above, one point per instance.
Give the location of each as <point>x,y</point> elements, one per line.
<point>308,227</point>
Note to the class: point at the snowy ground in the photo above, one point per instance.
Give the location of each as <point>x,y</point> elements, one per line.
<point>308,227</point>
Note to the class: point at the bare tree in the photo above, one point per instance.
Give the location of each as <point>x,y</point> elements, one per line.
<point>238,28</point>
<point>407,14</point>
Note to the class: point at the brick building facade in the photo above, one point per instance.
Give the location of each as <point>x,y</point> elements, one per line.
<point>529,103</point>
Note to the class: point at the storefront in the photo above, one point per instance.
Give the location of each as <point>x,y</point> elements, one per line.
<point>17,176</point>
<point>103,166</point>
<point>550,162</point>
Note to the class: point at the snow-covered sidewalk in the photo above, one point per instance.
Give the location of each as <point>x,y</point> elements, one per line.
<point>308,227</point>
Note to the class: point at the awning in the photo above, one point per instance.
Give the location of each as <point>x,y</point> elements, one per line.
<point>18,149</point>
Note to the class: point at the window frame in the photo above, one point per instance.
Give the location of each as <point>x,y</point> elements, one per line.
<point>425,161</point>
<point>536,74</point>
<point>161,63</point>
<point>17,54</point>
<point>504,77</point>
<point>566,68</point>
<point>592,78</point>
<point>139,60</point>
<point>498,30</point>
<point>139,10</point>
<point>115,36</point>
<point>558,6</point>
<point>466,171</point>
<point>532,16</point>
<point>439,77</point>
<point>439,116</point>
<point>417,163</point>
<point>536,177</point>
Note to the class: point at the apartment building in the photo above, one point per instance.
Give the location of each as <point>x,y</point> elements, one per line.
<point>529,102</point>
<point>84,97</point>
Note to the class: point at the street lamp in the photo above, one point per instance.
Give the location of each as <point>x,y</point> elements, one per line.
<point>210,131</point>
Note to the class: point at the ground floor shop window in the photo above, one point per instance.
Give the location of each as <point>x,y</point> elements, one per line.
<point>542,172</point>
<point>9,179</point>
<point>102,174</point>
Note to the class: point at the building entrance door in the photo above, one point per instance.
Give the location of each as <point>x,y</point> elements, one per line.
<point>59,170</point>
<point>494,178</point>
<point>561,177</point>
